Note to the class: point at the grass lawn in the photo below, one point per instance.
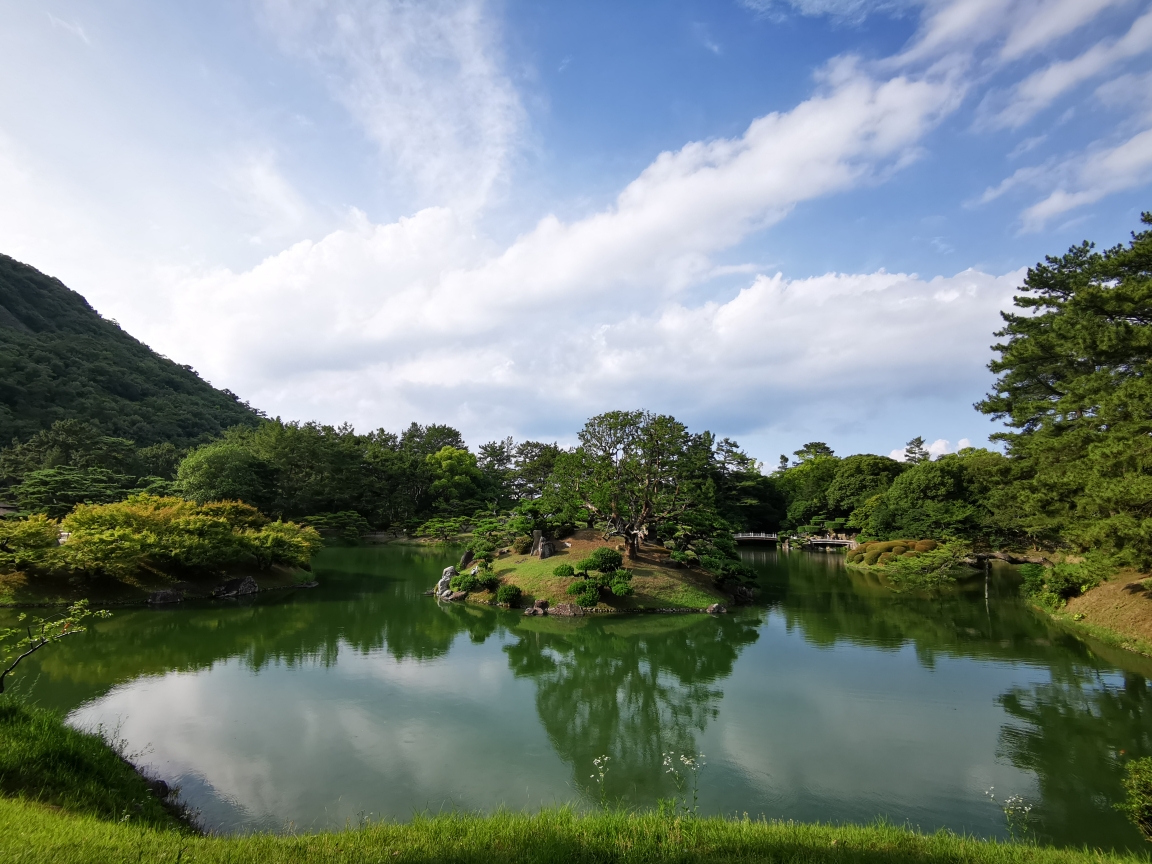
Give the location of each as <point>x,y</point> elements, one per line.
<point>34,833</point>
<point>656,585</point>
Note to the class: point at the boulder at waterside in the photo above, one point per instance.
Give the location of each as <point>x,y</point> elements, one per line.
<point>236,587</point>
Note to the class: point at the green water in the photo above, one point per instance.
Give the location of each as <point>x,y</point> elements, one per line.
<point>834,699</point>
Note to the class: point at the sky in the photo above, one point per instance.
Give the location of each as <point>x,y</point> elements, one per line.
<point>780,220</point>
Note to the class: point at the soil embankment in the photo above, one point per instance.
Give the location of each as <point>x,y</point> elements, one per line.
<point>1121,607</point>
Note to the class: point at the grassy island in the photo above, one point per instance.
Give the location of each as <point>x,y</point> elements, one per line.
<point>657,583</point>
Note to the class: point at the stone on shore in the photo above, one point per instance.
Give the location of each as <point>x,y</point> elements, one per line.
<point>236,587</point>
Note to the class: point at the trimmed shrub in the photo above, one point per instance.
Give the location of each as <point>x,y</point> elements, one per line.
<point>464,582</point>
<point>855,557</point>
<point>898,550</point>
<point>926,546</point>
<point>910,554</point>
<point>620,583</point>
<point>584,565</point>
<point>509,594</point>
<point>884,558</point>
<point>872,556</point>
<point>490,582</point>
<point>563,571</point>
<point>585,592</point>
<point>605,560</point>
<point>522,545</point>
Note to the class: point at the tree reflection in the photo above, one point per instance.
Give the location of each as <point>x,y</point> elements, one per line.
<point>369,602</point>
<point>631,689</point>
<point>831,604</point>
<point>1076,734</point>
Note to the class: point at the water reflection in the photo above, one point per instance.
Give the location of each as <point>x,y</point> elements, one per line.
<point>833,699</point>
<point>632,689</point>
<point>1075,733</point>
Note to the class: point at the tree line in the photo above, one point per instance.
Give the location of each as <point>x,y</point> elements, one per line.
<point>1073,393</point>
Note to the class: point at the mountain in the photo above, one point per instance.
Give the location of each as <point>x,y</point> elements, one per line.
<point>60,360</point>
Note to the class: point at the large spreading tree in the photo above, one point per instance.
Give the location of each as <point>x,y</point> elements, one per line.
<point>1076,387</point>
<point>634,470</point>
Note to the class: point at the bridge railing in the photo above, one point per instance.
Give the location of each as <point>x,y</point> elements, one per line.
<point>752,535</point>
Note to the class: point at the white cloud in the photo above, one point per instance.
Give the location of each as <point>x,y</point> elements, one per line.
<point>73,27</point>
<point>1019,27</point>
<point>425,81</point>
<point>1093,176</point>
<point>1041,88</point>
<point>418,312</point>
<point>936,449</point>
<point>1080,178</point>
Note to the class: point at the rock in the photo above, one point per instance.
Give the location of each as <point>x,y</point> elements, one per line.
<point>236,587</point>
<point>541,604</point>
<point>311,584</point>
<point>158,597</point>
<point>532,610</point>
<point>568,610</point>
<point>742,595</point>
<point>457,595</point>
<point>545,549</point>
<point>537,536</point>
<point>466,558</point>
<point>475,571</point>
<point>716,609</point>
<point>446,579</point>
<point>159,788</point>
<point>446,594</point>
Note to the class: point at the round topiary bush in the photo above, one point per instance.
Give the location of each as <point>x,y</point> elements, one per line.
<point>585,592</point>
<point>509,594</point>
<point>926,545</point>
<point>606,560</point>
<point>910,554</point>
<point>563,571</point>
<point>522,545</point>
<point>898,550</point>
<point>464,582</point>
<point>855,557</point>
<point>884,558</point>
<point>490,582</point>
<point>871,557</point>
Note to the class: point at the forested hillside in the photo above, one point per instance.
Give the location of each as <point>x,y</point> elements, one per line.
<point>59,360</point>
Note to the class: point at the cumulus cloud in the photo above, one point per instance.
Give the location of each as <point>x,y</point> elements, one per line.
<point>425,81</point>
<point>419,312</point>
<point>936,449</point>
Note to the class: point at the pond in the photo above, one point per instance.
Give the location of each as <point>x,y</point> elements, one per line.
<point>833,699</point>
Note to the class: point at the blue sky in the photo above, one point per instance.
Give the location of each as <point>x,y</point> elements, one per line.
<point>783,220</point>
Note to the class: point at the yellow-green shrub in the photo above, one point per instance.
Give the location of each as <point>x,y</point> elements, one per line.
<point>172,537</point>
<point>871,557</point>
<point>926,545</point>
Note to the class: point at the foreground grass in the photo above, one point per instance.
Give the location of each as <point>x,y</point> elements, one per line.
<point>42,760</point>
<point>30,832</point>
